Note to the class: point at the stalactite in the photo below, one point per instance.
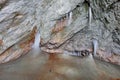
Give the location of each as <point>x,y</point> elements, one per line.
<point>36,44</point>
<point>69,18</point>
<point>95,46</point>
<point>90,17</point>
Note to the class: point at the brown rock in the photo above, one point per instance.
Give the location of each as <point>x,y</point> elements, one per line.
<point>19,49</point>
<point>1,42</point>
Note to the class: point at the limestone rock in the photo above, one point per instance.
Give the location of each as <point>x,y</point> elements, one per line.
<point>63,24</point>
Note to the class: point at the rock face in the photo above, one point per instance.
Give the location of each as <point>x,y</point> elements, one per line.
<point>63,24</point>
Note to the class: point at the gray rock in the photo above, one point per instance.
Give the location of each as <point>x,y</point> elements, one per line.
<point>18,17</point>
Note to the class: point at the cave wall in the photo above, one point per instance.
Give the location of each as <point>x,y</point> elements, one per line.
<point>51,17</point>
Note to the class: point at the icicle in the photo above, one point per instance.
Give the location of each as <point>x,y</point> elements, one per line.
<point>90,17</point>
<point>36,44</point>
<point>95,46</point>
<point>69,18</point>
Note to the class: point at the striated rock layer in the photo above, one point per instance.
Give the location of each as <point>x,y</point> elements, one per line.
<point>63,24</point>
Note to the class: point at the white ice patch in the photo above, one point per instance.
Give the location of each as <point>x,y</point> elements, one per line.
<point>90,16</point>
<point>95,46</point>
<point>36,44</point>
<point>70,18</point>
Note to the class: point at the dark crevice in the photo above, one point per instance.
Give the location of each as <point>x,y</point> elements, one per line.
<point>87,2</point>
<point>3,4</point>
<point>106,20</point>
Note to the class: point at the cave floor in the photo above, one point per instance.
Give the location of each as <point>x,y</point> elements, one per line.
<point>44,66</point>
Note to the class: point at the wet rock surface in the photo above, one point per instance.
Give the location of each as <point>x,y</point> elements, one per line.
<point>51,66</point>
<point>52,18</point>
